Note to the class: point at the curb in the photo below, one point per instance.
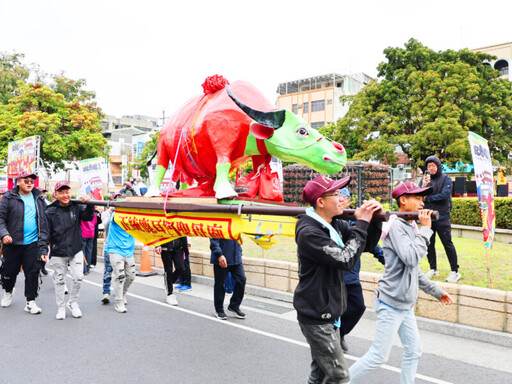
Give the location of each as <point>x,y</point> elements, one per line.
<point>431,325</point>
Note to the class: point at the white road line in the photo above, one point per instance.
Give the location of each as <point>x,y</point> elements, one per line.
<point>263,333</point>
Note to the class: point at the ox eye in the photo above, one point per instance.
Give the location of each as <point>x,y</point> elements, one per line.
<point>302,132</point>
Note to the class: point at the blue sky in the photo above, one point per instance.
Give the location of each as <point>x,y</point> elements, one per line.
<point>144,57</point>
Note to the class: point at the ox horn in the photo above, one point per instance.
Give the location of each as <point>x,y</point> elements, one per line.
<point>274,119</point>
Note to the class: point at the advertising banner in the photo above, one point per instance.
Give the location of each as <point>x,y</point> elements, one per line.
<point>484,185</point>
<point>91,177</point>
<point>154,227</point>
<point>22,155</point>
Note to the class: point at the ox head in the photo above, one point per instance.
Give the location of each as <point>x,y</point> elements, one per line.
<point>290,138</point>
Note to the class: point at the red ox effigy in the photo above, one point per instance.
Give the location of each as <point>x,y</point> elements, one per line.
<point>230,123</point>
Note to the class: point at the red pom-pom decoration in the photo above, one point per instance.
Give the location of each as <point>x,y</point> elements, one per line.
<point>213,84</point>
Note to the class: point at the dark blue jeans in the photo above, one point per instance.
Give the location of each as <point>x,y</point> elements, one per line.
<point>87,243</point>
<point>220,274</point>
<point>355,308</point>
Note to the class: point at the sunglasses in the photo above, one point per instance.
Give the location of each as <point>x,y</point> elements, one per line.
<point>28,181</point>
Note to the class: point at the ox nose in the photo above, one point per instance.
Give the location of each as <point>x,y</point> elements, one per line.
<point>339,148</point>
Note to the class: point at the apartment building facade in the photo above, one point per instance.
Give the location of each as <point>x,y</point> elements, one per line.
<point>317,99</point>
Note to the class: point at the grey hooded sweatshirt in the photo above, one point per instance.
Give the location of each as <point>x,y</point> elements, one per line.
<point>403,251</point>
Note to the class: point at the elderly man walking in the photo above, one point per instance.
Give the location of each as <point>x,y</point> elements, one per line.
<point>24,234</point>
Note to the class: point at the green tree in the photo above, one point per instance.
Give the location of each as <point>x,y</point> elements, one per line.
<point>425,104</point>
<point>12,72</point>
<point>147,152</point>
<point>67,128</point>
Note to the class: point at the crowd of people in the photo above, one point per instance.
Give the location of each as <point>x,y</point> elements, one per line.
<point>328,298</point>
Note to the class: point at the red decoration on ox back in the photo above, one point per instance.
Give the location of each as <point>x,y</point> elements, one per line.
<point>213,84</point>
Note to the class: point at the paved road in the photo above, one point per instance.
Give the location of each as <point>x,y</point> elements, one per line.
<point>157,343</point>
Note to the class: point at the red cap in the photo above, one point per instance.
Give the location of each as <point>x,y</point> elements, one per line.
<point>409,188</point>
<point>62,185</point>
<point>25,174</point>
<point>320,185</point>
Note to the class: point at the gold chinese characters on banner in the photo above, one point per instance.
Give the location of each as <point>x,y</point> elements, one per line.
<point>154,227</point>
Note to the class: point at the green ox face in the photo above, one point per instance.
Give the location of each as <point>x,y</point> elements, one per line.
<point>290,138</point>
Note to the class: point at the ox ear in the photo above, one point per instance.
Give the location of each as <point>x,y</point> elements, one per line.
<point>273,119</point>
<point>261,131</point>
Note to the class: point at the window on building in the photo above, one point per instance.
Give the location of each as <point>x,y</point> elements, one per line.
<point>317,124</point>
<point>294,108</point>
<point>502,66</point>
<point>318,105</point>
<point>306,107</point>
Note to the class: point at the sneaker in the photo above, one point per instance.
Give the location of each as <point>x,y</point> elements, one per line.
<point>75,309</point>
<point>7,299</point>
<point>32,308</point>
<point>171,299</point>
<point>44,271</point>
<point>221,315</point>
<point>432,273</point>
<point>453,277</point>
<point>106,298</point>
<point>61,313</point>
<point>120,307</point>
<point>237,312</point>
<point>344,344</point>
<point>178,287</point>
<point>184,288</point>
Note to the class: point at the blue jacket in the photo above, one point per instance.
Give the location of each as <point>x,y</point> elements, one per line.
<point>231,249</point>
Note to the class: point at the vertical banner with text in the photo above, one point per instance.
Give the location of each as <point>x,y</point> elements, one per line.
<point>90,175</point>
<point>484,185</point>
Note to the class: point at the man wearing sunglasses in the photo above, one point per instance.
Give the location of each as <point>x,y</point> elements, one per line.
<point>24,234</point>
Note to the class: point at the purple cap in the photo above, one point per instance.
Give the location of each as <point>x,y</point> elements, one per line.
<point>409,188</point>
<point>62,185</point>
<point>320,185</point>
<point>25,174</point>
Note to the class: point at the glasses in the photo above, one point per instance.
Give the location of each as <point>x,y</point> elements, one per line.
<point>337,195</point>
<point>28,181</point>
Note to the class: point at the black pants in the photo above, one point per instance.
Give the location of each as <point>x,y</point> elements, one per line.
<point>168,258</point>
<point>444,229</point>
<point>355,308</point>
<point>186,276</point>
<point>26,256</point>
<point>94,254</point>
<point>220,274</point>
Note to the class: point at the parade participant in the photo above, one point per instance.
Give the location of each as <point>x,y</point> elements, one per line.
<point>140,187</point>
<point>325,247</point>
<point>397,291</point>
<point>226,256</point>
<point>64,222</point>
<point>440,200</point>
<point>355,299</point>
<point>120,246</point>
<point>88,242</point>
<point>128,190</point>
<point>172,252</point>
<point>24,234</point>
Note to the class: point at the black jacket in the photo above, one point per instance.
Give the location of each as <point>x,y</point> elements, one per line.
<point>12,213</point>
<point>320,296</point>
<point>64,227</point>
<point>441,197</point>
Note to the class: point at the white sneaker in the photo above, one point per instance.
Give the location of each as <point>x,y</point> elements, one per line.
<point>75,309</point>
<point>453,277</point>
<point>120,307</point>
<point>32,308</point>
<point>106,298</point>
<point>431,273</point>
<point>7,299</point>
<point>171,299</point>
<point>61,313</point>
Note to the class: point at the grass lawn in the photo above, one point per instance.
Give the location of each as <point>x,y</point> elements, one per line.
<point>471,253</point>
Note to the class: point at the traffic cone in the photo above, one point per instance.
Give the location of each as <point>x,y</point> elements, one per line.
<point>145,264</point>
